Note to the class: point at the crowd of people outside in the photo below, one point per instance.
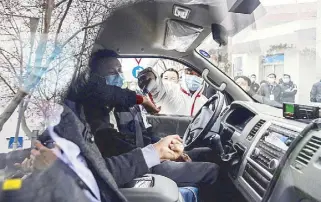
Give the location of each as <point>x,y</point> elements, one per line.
<point>280,91</point>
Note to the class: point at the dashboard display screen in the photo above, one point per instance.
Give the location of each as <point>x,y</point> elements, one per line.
<point>239,118</point>
<point>288,110</point>
<point>279,140</point>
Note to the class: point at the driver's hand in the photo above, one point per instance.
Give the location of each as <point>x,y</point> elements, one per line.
<point>163,147</point>
<point>149,106</point>
<point>177,146</point>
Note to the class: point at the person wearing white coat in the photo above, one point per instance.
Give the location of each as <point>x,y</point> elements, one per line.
<point>174,98</point>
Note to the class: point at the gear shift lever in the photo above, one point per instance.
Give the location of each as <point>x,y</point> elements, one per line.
<point>216,141</point>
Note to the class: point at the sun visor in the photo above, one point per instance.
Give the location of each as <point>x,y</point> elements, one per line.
<point>196,2</point>
<point>180,35</point>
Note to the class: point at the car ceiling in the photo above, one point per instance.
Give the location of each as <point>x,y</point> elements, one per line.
<point>139,29</point>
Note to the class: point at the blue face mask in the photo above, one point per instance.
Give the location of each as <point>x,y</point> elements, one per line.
<point>193,82</point>
<point>115,80</point>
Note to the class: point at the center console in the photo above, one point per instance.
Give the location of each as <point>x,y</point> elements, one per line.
<point>272,146</point>
<point>263,160</point>
<point>151,187</point>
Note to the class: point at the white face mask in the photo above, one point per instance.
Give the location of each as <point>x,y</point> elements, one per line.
<point>286,80</point>
<point>271,80</point>
<point>193,82</point>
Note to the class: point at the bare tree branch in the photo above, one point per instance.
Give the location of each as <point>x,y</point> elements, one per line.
<point>59,3</point>
<point>62,20</point>
<point>11,65</point>
<point>12,55</point>
<point>7,84</point>
<point>82,29</point>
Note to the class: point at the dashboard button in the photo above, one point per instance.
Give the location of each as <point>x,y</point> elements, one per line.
<point>256,152</point>
<point>273,164</point>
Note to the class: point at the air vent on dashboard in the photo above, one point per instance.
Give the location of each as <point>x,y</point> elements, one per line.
<point>308,150</point>
<point>254,130</point>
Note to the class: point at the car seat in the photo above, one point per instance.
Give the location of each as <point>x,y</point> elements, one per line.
<point>126,124</point>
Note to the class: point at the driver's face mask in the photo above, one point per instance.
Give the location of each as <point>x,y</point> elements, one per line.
<point>193,82</point>
<point>115,80</point>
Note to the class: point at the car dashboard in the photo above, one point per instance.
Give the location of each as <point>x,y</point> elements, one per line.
<point>264,136</point>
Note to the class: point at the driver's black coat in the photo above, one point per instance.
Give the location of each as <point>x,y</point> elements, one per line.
<point>94,94</point>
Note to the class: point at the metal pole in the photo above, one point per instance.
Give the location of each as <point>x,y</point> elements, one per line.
<point>15,141</point>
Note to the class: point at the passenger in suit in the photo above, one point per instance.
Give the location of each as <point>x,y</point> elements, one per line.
<point>80,173</point>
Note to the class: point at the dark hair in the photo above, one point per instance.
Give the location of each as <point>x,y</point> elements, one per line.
<point>98,55</point>
<point>170,70</point>
<point>271,74</point>
<point>247,79</point>
<point>73,90</point>
<point>287,75</point>
<point>253,75</point>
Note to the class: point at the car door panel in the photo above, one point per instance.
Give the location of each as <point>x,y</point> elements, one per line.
<point>163,125</point>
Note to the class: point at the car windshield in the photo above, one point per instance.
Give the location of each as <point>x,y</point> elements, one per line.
<point>277,56</point>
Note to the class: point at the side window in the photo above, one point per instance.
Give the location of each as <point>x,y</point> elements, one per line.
<point>177,89</point>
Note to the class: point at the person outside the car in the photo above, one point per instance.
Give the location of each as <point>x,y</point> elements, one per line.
<point>271,89</point>
<point>315,94</point>
<point>245,83</point>
<point>289,89</point>
<point>170,75</point>
<point>174,98</point>
<point>254,86</point>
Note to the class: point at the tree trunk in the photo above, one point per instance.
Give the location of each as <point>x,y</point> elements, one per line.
<point>24,125</point>
<point>6,114</point>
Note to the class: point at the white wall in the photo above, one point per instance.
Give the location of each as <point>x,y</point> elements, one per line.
<point>252,65</point>
<point>307,77</point>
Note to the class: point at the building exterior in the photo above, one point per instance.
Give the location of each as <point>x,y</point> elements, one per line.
<point>286,40</point>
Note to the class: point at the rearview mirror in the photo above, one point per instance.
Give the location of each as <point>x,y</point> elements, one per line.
<point>219,34</point>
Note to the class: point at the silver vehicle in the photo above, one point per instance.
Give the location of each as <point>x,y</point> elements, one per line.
<point>262,155</point>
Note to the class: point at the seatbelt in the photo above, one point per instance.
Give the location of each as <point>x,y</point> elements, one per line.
<point>128,122</point>
<point>139,133</point>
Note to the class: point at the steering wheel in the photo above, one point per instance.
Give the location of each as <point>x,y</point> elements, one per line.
<point>203,121</point>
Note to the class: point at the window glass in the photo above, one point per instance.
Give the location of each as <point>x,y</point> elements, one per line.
<point>178,91</point>
<point>282,42</point>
